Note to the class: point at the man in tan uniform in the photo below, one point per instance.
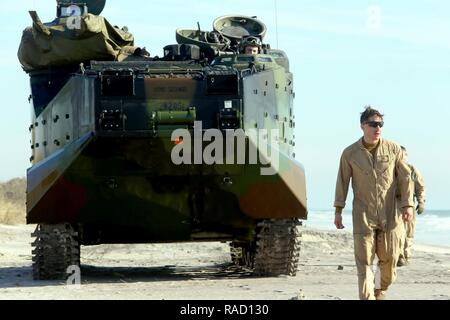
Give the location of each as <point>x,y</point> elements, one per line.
<point>409,227</point>
<point>376,167</point>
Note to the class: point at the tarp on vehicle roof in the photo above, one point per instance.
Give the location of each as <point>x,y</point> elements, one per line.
<point>66,41</point>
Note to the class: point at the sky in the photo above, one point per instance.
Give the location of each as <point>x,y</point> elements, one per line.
<point>393,55</point>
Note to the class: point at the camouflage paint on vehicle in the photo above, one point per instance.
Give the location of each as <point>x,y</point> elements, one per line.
<point>102,170</point>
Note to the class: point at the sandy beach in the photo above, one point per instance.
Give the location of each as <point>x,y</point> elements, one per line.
<point>201,271</point>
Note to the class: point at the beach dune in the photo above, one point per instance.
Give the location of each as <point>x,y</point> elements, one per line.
<point>12,201</point>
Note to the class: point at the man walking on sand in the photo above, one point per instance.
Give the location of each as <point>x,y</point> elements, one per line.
<point>375,166</point>
<point>409,227</point>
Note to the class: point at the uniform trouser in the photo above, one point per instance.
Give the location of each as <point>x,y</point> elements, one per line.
<point>407,238</point>
<point>386,246</point>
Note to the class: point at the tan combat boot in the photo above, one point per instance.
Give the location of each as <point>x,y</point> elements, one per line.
<point>402,262</point>
<point>380,294</point>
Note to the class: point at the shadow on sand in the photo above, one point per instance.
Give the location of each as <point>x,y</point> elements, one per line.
<point>16,277</point>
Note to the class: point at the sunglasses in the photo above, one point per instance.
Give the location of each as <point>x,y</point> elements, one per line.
<point>375,124</point>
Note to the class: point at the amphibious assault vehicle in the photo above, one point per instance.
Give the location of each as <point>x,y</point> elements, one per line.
<point>122,142</point>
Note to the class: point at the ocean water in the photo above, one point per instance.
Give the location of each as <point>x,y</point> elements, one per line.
<point>432,227</point>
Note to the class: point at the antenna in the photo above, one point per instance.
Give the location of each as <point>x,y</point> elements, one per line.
<point>276,21</point>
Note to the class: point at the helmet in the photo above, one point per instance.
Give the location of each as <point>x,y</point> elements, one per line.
<point>251,41</point>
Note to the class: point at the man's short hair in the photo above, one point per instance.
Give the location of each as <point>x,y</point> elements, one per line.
<point>405,153</point>
<point>370,112</point>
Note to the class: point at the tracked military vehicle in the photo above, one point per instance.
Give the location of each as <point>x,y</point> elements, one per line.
<point>103,134</point>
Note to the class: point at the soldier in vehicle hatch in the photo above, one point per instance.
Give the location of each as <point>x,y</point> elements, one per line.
<point>251,45</point>
<point>375,166</point>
